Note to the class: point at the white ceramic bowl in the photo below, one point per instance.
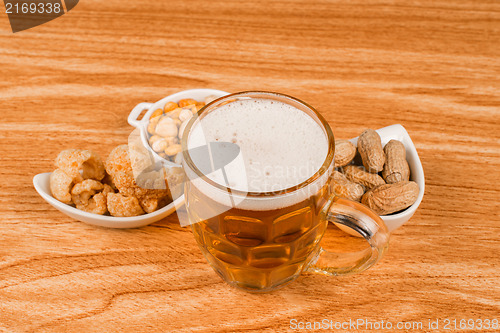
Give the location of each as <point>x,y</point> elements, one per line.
<point>142,125</point>
<point>398,132</point>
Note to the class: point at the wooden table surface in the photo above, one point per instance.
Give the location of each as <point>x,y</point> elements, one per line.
<point>432,66</point>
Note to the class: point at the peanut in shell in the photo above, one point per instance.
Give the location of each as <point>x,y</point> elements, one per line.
<point>396,167</point>
<point>344,188</point>
<point>344,152</point>
<point>390,198</point>
<point>358,175</point>
<point>371,151</point>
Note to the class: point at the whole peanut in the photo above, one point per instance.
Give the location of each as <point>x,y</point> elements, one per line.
<point>156,113</point>
<point>346,189</point>
<point>358,175</point>
<point>370,149</point>
<point>181,128</point>
<point>396,167</point>
<point>174,114</point>
<point>166,127</point>
<point>159,145</point>
<point>173,150</point>
<point>390,198</point>
<point>185,114</point>
<point>186,102</point>
<point>170,106</point>
<point>344,152</point>
<point>154,138</point>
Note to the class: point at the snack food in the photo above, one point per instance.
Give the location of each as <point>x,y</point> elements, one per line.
<point>83,180</point>
<point>82,192</point>
<point>390,198</point>
<point>383,178</point>
<point>166,126</point>
<point>370,150</point>
<point>80,164</point>
<point>345,151</point>
<point>358,175</point>
<point>119,167</point>
<point>396,167</point>
<point>120,205</point>
<point>60,186</point>
<point>345,188</point>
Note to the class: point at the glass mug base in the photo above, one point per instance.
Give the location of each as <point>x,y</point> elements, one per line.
<point>256,279</point>
<point>259,250</point>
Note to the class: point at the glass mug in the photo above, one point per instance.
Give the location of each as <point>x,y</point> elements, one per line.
<point>257,245</point>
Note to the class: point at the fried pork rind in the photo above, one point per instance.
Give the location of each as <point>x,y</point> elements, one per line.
<point>151,179</point>
<point>119,168</point>
<point>108,181</point>
<point>96,204</point>
<point>74,161</point>
<point>107,189</point>
<point>122,206</point>
<point>140,158</point>
<point>82,179</point>
<point>175,178</point>
<point>82,192</point>
<point>87,197</point>
<point>153,204</point>
<point>118,161</point>
<point>150,204</point>
<point>60,186</point>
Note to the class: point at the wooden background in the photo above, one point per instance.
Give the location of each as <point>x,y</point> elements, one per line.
<point>432,66</point>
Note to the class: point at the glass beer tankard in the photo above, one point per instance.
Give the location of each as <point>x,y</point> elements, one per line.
<point>260,219</point>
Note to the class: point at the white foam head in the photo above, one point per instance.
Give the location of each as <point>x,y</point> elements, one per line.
<point>280,147</point>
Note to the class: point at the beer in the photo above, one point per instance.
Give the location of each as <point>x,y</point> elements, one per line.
<point>265,238</point>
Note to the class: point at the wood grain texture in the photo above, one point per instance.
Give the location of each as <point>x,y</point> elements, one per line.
<point>432,66</point>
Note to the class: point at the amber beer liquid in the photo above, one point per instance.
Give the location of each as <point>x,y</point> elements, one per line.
<point>267,238</point>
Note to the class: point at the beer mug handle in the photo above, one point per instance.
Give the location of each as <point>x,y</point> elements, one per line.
<point>366,223</point>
